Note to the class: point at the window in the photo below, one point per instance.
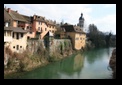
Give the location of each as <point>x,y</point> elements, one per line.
<point>38,28</point>
<point>76,38</point>
<point>21,34</point>
<point>13,35</point>
<point>6,24</point>
<point>14,47</point>
<point>20,46</point>
<point>28,37</point>
<point>17,35</point>
<point>17,47</point>
<point>45,29</point>
<point>39,22</point>
<point>41,28</point>
<point>27,27</point>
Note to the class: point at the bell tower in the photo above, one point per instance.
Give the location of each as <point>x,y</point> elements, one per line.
<point>81,21</point>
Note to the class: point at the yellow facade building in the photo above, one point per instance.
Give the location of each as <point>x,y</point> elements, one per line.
<point>77,36</point>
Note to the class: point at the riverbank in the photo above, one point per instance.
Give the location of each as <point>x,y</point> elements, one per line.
<point>22,62</point>
<point>26,61</point>
<point>112,63</point>
<point>86,65</point>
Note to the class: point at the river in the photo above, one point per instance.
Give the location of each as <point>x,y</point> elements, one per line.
<point>88,65</point>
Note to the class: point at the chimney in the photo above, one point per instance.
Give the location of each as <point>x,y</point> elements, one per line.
<point>9,10</point>
<point>34,17</point>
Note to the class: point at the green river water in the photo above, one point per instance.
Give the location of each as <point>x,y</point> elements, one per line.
<point>87,65</point>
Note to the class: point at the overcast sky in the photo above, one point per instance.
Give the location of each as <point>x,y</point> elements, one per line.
<point>102,15</point>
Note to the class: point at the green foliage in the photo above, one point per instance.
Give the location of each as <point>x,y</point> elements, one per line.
<point>98,38</point>
<point>65,44</point>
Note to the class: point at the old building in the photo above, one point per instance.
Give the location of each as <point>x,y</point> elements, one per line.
<point>15,38</point>
<point>76,35</point>
<point>28,23</point>
<point>17,19</point>
<point>51,26</point>
<point>7,35</point>
<point>19,37</point>
<point>7,31</point>
<point>39,25</point>
<point>14,33</point>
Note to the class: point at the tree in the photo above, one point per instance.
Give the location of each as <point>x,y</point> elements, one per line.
<point>96,36</point>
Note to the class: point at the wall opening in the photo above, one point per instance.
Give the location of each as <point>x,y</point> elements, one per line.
<point>17,47</point>
<point>20,46</point>
<point>17,35</point>
<point>14,47</point>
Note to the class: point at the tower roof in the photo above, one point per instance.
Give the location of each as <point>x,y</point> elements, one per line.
<point>81,17</point>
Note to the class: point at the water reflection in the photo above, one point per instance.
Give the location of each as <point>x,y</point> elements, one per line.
<point>78,62</point>
<point>95,55</point>
<point>55,70</point>
<point>72,64</point>
<point>96,62</point>
<point>91,64</point>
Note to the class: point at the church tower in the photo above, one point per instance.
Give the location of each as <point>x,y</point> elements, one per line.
<point>81,21</point>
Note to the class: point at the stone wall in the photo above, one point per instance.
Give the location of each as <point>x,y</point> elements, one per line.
<point>56,47</point>
<point>34,45</point>
<point>62,46</point>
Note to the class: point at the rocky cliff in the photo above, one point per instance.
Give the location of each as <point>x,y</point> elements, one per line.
<point>112,63</point>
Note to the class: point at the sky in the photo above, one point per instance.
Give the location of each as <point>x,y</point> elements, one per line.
<point>102,15</point>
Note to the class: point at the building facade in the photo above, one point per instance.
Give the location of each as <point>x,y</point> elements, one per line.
<point>14,35</point>
<point>77,36</point>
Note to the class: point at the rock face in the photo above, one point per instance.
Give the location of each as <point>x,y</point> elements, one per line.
<point>7,55</point>
<point>62,46</point>
<point>112,63</point>
<point>34,45</point>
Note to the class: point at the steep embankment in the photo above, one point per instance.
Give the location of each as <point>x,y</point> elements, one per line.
<point>36,55</point>
<point>112,63</point>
